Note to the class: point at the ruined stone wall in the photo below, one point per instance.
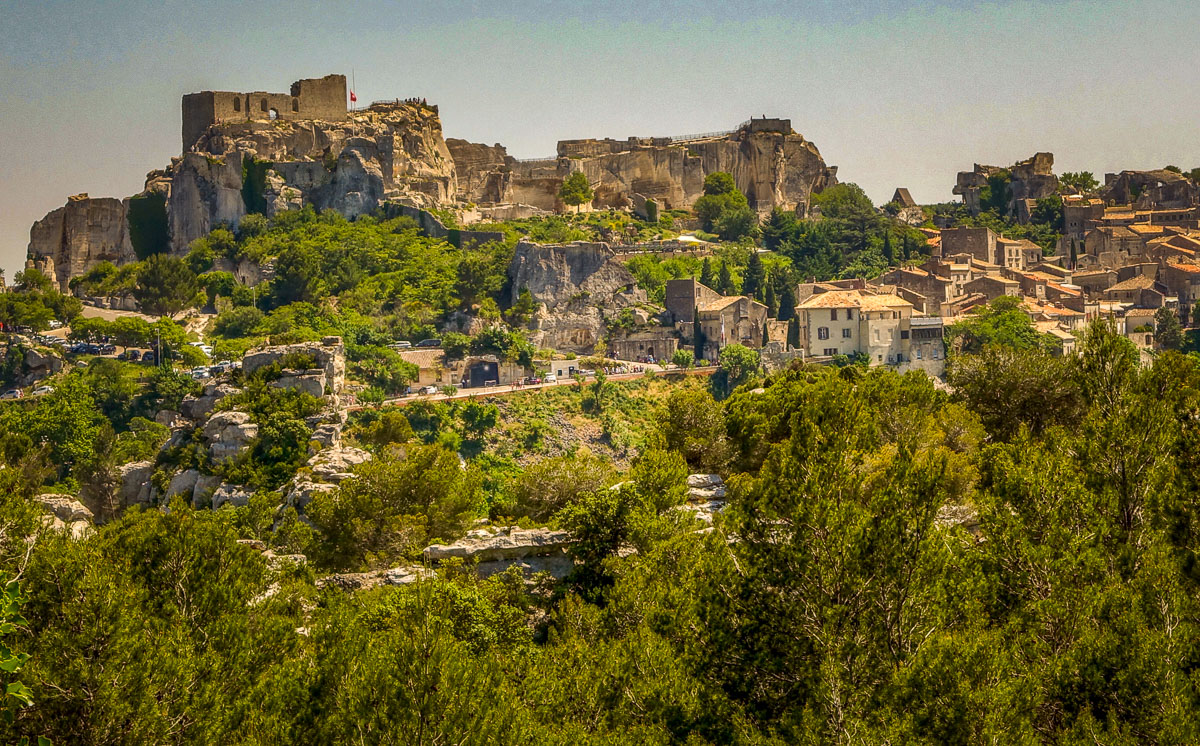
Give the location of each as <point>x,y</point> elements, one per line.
<point>310,99</point>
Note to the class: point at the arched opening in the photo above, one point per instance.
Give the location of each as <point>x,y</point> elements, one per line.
<point>237,104</point>
<point>272,115</point>
<point>295,104</point>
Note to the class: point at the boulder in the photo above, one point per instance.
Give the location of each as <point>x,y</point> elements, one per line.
<point>703,488</point>
<point>206,485</point>
<point>487,544</point>
<point>335,464</point>
<point>135,486</point>
<point>183,483</point>
<point>64,507</point>
<point>169,418</point>
<point>199,407</point>
<point>303,490</point>
<point>231,494</point>
<point>329,435</point>
<point>361,581</point>
<point>311,382</point>
<point>228,434</point>
<point>557,566</point>
<point>38,364</point>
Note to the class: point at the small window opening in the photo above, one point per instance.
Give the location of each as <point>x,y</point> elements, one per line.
<point>237,104</point>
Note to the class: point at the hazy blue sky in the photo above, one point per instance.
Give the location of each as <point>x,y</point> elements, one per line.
<point>898,92</point>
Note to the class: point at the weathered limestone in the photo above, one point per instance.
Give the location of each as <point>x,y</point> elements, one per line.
<point>65,514</point>
<point>337,464</point>
<point>81,234</point>
<point>228,434</point>
<point>199,407</point>
<point>577,285</point>
<point>497,544</point>
<point>135,486</point>
<point>329,376</point>
<point>706,496</point>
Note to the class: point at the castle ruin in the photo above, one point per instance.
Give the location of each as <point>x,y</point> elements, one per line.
<point>321,99</point>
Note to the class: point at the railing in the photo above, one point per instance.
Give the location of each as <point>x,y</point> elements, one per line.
<point>536,160</point>
<point>700,135</point>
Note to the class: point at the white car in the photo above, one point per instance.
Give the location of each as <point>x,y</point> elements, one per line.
<point>550,379</point>
<point>55,324</point>
<point>12,394</point>
<point>429,390</point>
<point>40,390</point>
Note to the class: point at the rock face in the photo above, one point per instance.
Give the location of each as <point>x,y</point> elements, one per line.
<point>81,234</point>
<point>495,544</point>
<point>706,496</point>
<point>65,514</point>
<point>135,483</point>
<point>228,434</point>
<point>577,285</point>
<point>1032,178</point>
<point>773,165</point>
<point>329,375</point>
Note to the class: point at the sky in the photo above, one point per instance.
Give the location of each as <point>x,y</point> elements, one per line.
<point>894,93</point>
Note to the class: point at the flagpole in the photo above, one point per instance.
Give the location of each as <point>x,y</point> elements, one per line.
<point>353,86</point>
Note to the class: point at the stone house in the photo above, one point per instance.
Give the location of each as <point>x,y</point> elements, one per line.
<point>1140,290</point>
<point>978,242</point>
<point>851,321</point>
<point>1113,246</point>
<point>993,287</point>
<point>1182,279</point>
<point>682,296</point>
<point>728,320</point>
<point>1094,282</point>
<point>659,343</point>
<point>1017,253</point>
<point>432,367</point>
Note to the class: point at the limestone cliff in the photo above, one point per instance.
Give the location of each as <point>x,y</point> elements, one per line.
<point>388,151</point>
<point>1030,179</point>
<point>578,285</point>
<point>79,235</point>
<point>773,166</point>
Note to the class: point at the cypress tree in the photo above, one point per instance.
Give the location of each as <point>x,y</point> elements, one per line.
<point>725,281</point>
<point>889,255</point>
<point>752,279</point>
<point>793,334</point>
<point>698,333</point>
<point>766,333</point>
<point>771,301</point>
<point>787,303</point>
<point>706,277</point>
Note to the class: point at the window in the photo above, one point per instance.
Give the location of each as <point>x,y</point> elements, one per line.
<point>903,334</point>
<point>833,315</point>
<point>295,104</point>
<point>237,104</point>
<point>918,353</point>
<point>822,332</point>
<point>850,314</point>
<point>264,105</point>
<point>831,351</point>
<point>846,333</point>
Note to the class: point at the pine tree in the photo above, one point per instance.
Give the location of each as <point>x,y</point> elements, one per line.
<point>725,281</point>
<point>787,303</point>
<point>706,275</point>
<point>771,301</point>
<point>752,278</point>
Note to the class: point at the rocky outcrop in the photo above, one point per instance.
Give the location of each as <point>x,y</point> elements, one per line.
<point>337,464</point>
<point>80,235</point>
<point>135,486</point>
<point>486,544</point>
<point>1030,179</point>
<point>578,285</point>
<point>705,496</point>
<point>773,165</point>
<point>228,434</point>
<point>199,407</point>
<point>329,357</point>
<point>65,514</point>
<point>362,581</point>
<point>37,364</point>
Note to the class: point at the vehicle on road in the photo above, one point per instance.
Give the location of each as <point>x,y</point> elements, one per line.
<point>429,390</point>
<point>108,349</point>
<point>551,378</point>
<point>429,343</point>
<point>148,357</point>
<point>401,345</point>
<point>42,390</point>
<point>12,394</point>
<point>56,324</point>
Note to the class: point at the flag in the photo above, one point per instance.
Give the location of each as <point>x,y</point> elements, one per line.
<point>353,98</point>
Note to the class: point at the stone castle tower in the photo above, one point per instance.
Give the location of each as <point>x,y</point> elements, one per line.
<point>311,98</point>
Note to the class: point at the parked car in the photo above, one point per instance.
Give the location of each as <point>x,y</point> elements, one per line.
<point>12,394</point>
<point>42,390</point>
<point>551,378</point>
<point>401,345</point>
<point>55,324</point>
<point>149,357</point>
<point>108,349</point>
<point>429,390</point>
<point>429,343</point>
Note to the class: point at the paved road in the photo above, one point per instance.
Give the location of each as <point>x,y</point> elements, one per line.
<point>508,390</point>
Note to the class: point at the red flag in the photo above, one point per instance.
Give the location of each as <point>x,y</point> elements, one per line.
<point>353,98</point>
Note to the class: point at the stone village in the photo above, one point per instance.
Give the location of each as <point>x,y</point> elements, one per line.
<point>1127,249</point>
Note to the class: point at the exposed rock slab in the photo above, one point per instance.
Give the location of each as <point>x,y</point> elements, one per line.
<point>498,544</point>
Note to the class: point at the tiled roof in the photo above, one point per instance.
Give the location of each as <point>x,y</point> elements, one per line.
<point>1138,282</point>
<point>720,303</point>
<point>424,358</point>
<point>854,299</point>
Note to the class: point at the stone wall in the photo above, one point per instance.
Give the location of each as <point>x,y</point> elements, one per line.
<point>309,99</point>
